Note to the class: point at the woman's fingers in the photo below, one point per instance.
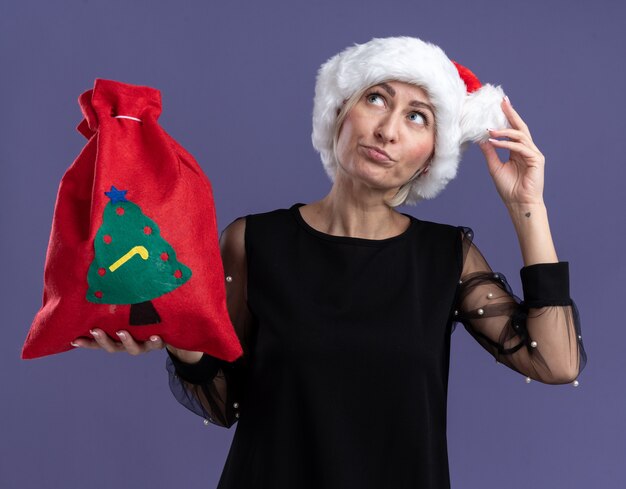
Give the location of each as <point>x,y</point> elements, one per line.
<point>128,344</point>
<point>514,118</point>
<point>156,342</point>
<point>521,148</point>
<point>513,134</point>
<point>135,348</point>
<point>493,160</point>
<point>86,343</point>
<point>105,342</point>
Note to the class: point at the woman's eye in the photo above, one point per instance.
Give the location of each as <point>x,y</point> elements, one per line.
<point>417,117</point>
<point>375,98</point>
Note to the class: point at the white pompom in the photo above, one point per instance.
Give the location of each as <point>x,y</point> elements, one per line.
<point>482,110</point>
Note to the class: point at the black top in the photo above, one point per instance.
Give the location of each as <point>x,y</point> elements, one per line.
<point>344,377</point>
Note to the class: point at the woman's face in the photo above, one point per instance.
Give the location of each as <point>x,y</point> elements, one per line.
<point>387,136</point>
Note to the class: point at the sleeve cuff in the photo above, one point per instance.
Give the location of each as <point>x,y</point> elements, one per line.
<point>546,284</point>
<point>201,372</point>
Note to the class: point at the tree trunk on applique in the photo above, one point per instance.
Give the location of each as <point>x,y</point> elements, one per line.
<point>133,264</point>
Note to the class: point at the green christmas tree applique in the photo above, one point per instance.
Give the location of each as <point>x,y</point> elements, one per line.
<point>133,264</point>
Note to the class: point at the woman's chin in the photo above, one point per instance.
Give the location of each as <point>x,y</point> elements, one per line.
<point>373,176</point>
<point>379,183</point>
<point>379,177</point>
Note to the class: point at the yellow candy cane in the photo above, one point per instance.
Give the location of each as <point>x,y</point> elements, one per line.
<point>141,250</point>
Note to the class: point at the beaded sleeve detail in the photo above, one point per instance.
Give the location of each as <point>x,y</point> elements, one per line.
<point>213,388</point>
<point>540,336</point>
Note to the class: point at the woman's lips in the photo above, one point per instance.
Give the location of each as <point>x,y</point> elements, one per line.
<point>376,155</point>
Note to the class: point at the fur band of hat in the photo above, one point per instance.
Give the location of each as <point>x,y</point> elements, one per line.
<point>464,108</point>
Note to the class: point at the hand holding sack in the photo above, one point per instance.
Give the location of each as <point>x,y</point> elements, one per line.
<point>134,242</point>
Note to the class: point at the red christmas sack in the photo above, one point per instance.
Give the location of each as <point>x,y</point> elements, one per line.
<point>134,242</point>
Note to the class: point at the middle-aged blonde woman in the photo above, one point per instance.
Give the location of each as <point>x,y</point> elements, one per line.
<point>345,306</point>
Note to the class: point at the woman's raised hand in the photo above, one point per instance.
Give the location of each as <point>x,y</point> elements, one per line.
<point>520,179</point>
<point>129,345</point>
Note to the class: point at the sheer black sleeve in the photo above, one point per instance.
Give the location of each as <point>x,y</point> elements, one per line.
<point>213,388</point>
<point>538,337</point>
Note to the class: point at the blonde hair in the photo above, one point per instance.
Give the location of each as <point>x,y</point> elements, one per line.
<point>403,192</point>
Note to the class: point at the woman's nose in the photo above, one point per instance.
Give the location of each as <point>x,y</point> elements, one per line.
<point>387,129</point>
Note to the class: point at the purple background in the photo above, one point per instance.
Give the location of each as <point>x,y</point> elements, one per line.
<point>237,83</point>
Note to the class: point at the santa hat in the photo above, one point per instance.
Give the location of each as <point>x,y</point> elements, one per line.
<point>464,108</point>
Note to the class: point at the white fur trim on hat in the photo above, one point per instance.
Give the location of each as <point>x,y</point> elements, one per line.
<point>460,116</point>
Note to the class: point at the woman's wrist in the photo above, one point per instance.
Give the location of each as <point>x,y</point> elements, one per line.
<point>194,367</point>
<point>514,207</point>
<point>533,232</point>
<point>185,356</point>
<point>527,216</point>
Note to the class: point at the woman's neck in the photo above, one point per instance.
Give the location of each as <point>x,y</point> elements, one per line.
<point>357,213</point>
